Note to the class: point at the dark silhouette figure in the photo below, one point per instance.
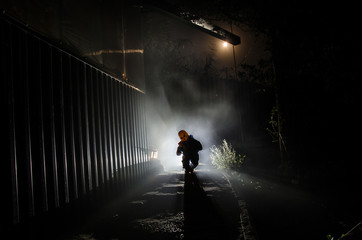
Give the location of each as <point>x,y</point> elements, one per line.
<point>189,147</point>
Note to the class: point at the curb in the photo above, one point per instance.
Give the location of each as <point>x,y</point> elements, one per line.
<point>246,230</point>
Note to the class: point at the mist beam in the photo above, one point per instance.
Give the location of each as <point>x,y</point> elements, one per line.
<point>195,21</point>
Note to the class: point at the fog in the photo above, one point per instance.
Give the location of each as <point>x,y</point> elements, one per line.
<point>170,110</point>
<point>191,85</point>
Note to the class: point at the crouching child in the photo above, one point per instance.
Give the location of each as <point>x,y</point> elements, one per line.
<point>189,147</point>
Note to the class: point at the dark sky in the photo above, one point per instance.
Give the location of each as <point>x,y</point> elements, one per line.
<point>163,27</point>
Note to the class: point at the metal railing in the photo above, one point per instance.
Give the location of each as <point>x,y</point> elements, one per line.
<point>69,127</point>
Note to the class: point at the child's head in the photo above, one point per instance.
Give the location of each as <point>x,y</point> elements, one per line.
<point>183,135</point>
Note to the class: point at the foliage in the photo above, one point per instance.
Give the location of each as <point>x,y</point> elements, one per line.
<point>225,157</point>
<point>275,128</point>
<point>273,124</point>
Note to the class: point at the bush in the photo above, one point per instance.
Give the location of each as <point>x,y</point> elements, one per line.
<point>225,157</point>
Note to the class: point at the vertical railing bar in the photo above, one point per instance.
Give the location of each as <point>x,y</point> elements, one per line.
<point>52,133</point>
<point>139,133</point>
<point>144,109</point>
<point>132,128</point>
<point>135,127</point>
<point>129,149</point>
<point>142,130</point>
<point>108,132</point>
<point>138,114</point>
<point>115,127</point>
<point>119,130</point>
<point>130,132</point>
<point>42,137</point>
<point>139,129</point>
<point>110,123</point>
<point>12,136</point>
<point>129,127</point>
<point>119,121</point>
<point>93,129</point>
<point>125,126</point>
<point>103,80</point>
<point>98,88</point>
<point>72,132</point>
<point>125,117</point>
<point>145,129</point>
<point>121,110</point>
<point>131,111</point>
<point>28,143</point>
<point>80,131</point>
<point>142,134</point>
<point>64,142</point>
<point>85,107</point>
<point>136,132</point>
<point>134,135</point>
<point>139,124</point>
<point>124,130</point>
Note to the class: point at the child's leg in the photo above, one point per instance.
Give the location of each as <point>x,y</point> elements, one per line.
<point>195,162</point>
<point>186,163</point>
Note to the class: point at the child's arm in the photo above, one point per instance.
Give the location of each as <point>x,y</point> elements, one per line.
<point>179,149</point>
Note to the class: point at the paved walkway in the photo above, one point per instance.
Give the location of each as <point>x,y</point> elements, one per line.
<point>277,210</point>
<point>170,205</point>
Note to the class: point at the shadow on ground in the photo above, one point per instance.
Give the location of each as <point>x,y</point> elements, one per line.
<point>169,205</point>
<point>204,217</point>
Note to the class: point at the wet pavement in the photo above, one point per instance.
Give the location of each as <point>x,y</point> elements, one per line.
<point>169,205</point>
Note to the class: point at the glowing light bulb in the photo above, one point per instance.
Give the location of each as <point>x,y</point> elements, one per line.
<point>225,44</point>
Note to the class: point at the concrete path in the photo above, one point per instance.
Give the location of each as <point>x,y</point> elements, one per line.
<point>170,205</point>
<point>277,210</point>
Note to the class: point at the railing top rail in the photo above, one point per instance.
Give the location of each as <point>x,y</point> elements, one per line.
<point>60,47</point>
